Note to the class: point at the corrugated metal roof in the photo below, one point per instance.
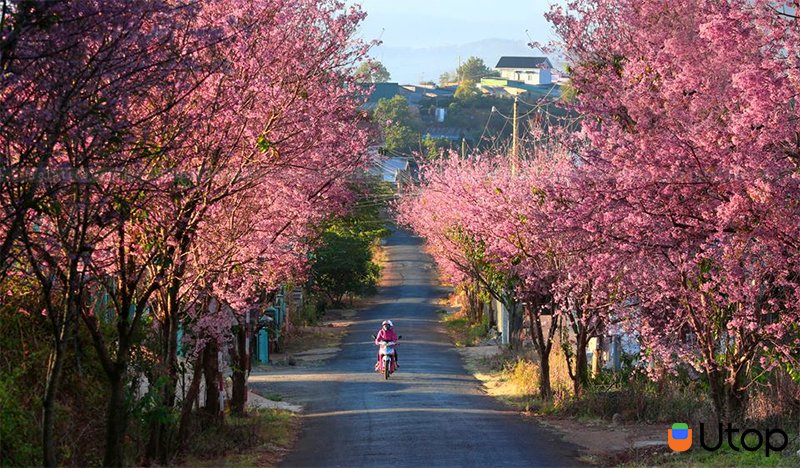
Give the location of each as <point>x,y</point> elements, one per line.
<point>523,62</point>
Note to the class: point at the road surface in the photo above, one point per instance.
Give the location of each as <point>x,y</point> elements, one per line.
<point>429,413</point>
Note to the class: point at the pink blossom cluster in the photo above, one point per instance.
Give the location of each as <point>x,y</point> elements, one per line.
<point>164,155</point>
<point>680,201</point>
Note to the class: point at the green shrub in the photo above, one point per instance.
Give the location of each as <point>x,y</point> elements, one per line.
<point>19,433</point>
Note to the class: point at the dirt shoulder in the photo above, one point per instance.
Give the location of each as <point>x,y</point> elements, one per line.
<point>306,346</point>
<point>602,442</point>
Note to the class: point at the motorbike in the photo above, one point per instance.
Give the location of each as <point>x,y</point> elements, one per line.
<point>387,364</point>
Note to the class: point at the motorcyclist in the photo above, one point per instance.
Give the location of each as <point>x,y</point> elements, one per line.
<point>386,333</point>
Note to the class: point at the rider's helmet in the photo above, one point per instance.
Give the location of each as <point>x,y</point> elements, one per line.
<point>387,324</point>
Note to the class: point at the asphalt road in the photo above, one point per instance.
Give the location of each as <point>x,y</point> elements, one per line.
<point>429,413</point>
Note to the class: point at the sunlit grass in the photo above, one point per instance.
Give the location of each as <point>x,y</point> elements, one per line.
<point>256,439</point>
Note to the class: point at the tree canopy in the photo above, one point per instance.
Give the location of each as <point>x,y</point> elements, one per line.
<point>473,69</point>
<point>397,123</point>
<point>373,71</point>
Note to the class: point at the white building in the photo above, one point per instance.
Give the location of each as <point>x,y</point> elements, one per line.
<point>529,70</point>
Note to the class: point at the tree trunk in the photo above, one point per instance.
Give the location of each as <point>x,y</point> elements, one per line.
<point>158,445</point>
<point>473,303</point>
<point>542,344</point>
<point>62,331</point>
<point>54,371</point>
<point>515,326</point>
<point>188,401</point>
<point>545,387</point>
<point>581,376</point>
<point>730,400</point>
<point>116,420</point>
<point>211,374</point>
<point>239,390</point>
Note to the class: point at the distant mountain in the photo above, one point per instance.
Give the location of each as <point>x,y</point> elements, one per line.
<point>412,65</point>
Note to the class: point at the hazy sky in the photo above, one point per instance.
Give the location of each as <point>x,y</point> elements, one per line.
<point>431,23</point>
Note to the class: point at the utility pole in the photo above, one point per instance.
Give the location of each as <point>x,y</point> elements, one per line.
<point>514,137</point>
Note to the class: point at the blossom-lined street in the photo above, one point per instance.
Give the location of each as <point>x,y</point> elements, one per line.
<point>430,413</point>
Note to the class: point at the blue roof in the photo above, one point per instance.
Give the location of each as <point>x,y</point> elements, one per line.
<point>381,91</point>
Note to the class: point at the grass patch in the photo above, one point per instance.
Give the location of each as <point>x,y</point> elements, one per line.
<point>461,331</point>
<point>724,457</point>
<point>306,338</point>
<point>257,439</point>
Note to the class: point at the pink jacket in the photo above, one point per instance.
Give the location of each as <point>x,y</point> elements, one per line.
<point>385,335</point>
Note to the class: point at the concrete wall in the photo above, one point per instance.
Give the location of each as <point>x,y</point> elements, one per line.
<point>503,321</point>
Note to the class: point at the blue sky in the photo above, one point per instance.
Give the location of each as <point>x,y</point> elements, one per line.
<point>407,25</point>
<point>425,23</point>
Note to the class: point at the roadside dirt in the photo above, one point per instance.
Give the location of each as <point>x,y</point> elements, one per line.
<point>306,347</point>
<point>602,442</point>
<point>313,345</point>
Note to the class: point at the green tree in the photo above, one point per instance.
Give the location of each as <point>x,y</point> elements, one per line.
<point>432,147</point>
<point>343,263</point>
<point>446,78</point>
<point>373,71</point>
<point>467,91</point>
<point>398,125</point>
<point>473,70</point>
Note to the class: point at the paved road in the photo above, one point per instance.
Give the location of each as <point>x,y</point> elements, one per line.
<point>429,413</point>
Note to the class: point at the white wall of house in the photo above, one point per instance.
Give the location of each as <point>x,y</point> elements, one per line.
<point>545,77</point>
<point>503,321</point>
<point>528,76</point>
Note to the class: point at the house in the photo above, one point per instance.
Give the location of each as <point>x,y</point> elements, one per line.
<point>529,70</point>
<point>503,87</point>
<point>377,91</point>
<point>415,94</point>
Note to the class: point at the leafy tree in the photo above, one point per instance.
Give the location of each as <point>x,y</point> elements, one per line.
<point>373,71</point>
<point>398,125</point>
<point>431,147</point>
<point>473,70</point>
<point>342,264</point>
<point>446,78</point>
<point>467,91</point>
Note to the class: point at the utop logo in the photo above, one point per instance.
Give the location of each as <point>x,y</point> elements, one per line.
<point>679,437</point>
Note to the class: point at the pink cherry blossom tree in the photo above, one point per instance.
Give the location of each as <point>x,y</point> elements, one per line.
<point>132,127</point>
<point>689,146</point>
<point>77,78</point>
<point>509,227</point>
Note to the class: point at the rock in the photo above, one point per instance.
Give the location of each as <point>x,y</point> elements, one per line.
<point>616,420</point>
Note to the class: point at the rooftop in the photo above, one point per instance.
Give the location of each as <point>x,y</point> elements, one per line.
<point>524,62</point>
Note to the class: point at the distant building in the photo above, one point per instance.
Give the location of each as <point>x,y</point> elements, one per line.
<point>377,91</point>
<point>415,94</point>
<point>528,70</point>
<point>503,87</point>
<point>396,170</point>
